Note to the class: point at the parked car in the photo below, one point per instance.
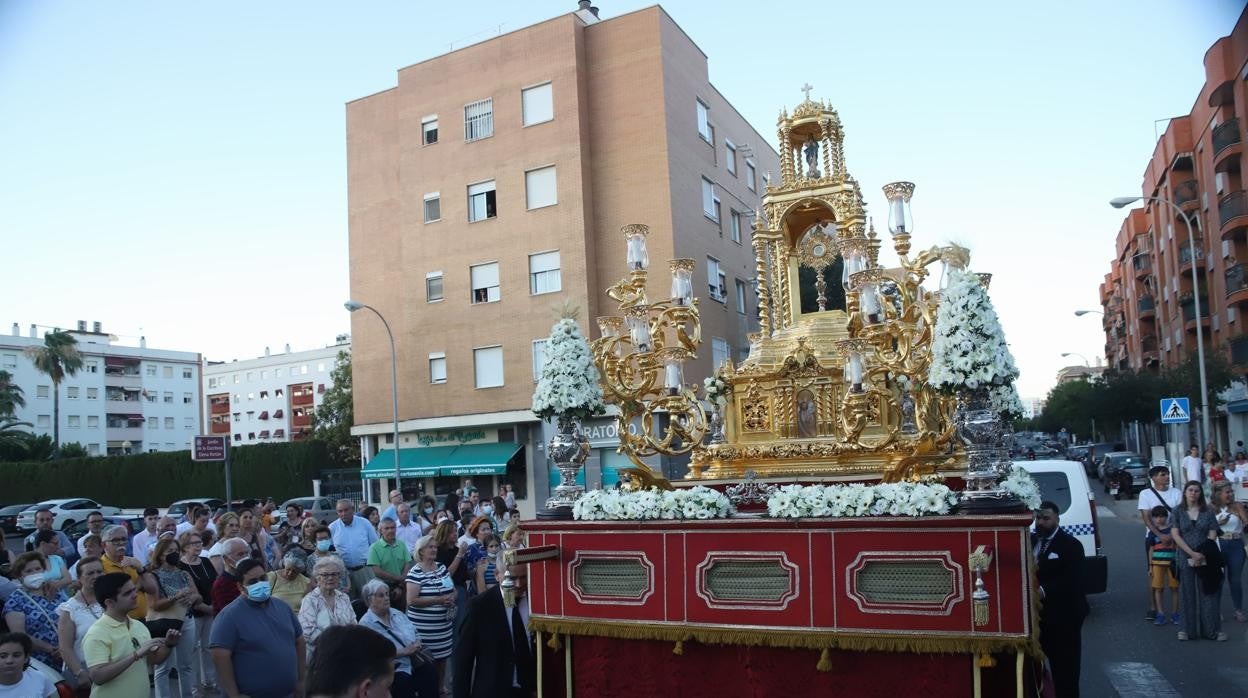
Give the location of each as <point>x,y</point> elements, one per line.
<point>1093,453</point>
<point>1064,483</point>
<point>133,525</point>
<point>8,516</point>
<point>322,509</point>
<point>1123,473</point>
<point>177,510</point>
<point>65,513</point>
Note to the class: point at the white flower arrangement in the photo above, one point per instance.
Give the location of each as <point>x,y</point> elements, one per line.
<point>569,384</point>
<point>968,347</point>
<point>857,499</point>
<point>652,504</point>
<point>716,388</point>
<point>1021,484</point>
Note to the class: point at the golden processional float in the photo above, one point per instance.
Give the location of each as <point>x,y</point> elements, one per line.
<point>840,530</point>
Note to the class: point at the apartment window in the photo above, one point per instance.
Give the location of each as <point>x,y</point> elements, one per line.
<point>93,393</point>
<point>278,392</point>
<point>187,372</point>
<point>93,422</point>
<point>251,376</point>
<point>235,379</point>
<point>151,397</point>
<point>212,382</point>
<point>716,279</point>
<point>43,391</point>
<point>437,367</point>
<point>544,273</point>
<point>730,157</point>
<point>303,370</point>
<point>251,396</point>
<point>187,398</point>
<point>150,370</point>
<point>704,122</point>
<point>539,358</point>
<point>169,423</point>
<point>433,286</point>
<point>90,366</point>
<point>44,421</point>
<point>481,202</point>
<point>721,351</point>
<point>72,392</point>
<point>734,225</point>
<point>710,200</point>
<point>73,421</point>
<point>251,436</point>
<point>750,176</point>
<point>264,375</point>
<point>277,373</point>
<point>238,437</point>
<point>488,366</point>
<point>433,207</point>
<point>479,120</point>
<point>537,104</point>
<point>152,423</point>
<point>166,371</point>
<point>188,423</point>
<point>168,397</point>
<point>93,449</point>
<point>485,287</point>
<point>429,129</point>
<point>10,360</point>
<point>740,288</point>
<point>539,188</point>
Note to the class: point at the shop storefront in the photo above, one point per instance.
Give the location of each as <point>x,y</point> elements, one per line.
<point>438,462</point>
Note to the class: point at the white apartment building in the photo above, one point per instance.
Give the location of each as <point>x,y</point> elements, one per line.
<point>123,400</point>
<point>270,398</point>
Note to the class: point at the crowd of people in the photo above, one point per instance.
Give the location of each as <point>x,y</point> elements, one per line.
<point>233,605</point>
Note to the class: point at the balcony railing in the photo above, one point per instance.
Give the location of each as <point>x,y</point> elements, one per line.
<point>1186,254</point>
<point>1239,350</point>
<point>1186,192</point>
<point>1142,263</point>
<point>1148,343</point>
<point>1236,279</point>
<point>1225,135</point>
<point>1189,308</point>
<point>1145,304</point>
<point>1232,205</point>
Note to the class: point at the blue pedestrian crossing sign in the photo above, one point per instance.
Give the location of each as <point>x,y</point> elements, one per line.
<point>1174,410</point>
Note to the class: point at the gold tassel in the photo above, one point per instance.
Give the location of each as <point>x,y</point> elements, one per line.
<point>554,643</point>
<point>986,661</point>
<point>825,661</point>
<point>679,648</point>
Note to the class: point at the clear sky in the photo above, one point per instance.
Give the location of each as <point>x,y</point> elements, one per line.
<point>177,169</point>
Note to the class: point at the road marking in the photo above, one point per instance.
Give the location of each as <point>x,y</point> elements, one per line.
<point>1236,676</point>
<point>1139,680</point>
<point>1105,512</point>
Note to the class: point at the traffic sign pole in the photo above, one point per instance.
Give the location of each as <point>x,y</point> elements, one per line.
<point>229,484</point>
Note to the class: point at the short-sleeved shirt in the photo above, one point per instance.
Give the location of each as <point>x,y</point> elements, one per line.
<point>56,567</point>
<point>32,685</point>
<point>140,611</point>
<point>391,557</point>
<point>352,541</point>
<point>108,641</point>
<point>40,616</point>
<point>409,534</point>
<point>261,638</point>
<point>1148,500</point>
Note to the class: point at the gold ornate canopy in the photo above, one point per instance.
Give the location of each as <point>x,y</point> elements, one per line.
<point>834,386</point>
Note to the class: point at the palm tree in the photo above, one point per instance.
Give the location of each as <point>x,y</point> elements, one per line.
<point>11,396</point>
<point>58,357</point>
<point>13,435</point>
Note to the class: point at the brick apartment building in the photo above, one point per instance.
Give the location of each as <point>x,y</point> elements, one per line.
<point>1148,296</point>
<point>489,187</point>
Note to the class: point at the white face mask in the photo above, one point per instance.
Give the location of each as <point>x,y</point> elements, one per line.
<point>487,509</point>
<point>33,581</point>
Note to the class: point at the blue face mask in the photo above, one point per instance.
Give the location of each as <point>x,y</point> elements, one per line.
<point>324,545</point>
<point>428,510</point>
<point>260,591</point>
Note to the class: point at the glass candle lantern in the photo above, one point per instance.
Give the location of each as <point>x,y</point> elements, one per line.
<point>639,330</point>
<point>869,303</point>
<point>612,328</point>
<point>682,281</point>
<point>900,221</point>
<point>673,373</point>
<point>635,239</point>
<point>853,371</point>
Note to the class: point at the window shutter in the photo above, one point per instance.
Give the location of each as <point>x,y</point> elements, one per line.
<point>538,104</point>
<point>485,275</point>
<point>539,188</point>
<point>489,366</point>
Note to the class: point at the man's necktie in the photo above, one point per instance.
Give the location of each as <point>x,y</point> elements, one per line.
<point>1044,548</point>
<point>524,654</point>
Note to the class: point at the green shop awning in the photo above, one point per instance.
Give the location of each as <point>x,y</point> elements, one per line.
<point>413,462</point>
<point>480,459</point>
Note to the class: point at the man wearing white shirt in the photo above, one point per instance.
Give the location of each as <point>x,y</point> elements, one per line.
<point>1193,467</point>
<point>407,530</point>
<point>1236,473</point>
<point>1159,494</point>
<point>145,539</point>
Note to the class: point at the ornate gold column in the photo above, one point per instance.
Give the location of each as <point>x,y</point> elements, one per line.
<point>764,282</point>
<point>786,151</point>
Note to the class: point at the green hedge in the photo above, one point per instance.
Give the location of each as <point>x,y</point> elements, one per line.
<point>280,471</point>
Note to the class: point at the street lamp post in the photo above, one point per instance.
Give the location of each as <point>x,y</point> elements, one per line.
<point>1081,313</point>
<point>1074,353</point>
<point>1122,201</point>
<point>353,306</point>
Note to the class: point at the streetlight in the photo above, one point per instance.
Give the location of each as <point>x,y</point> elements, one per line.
<point>351,307</point>
<point>1074,353</point>
<point>1122,201</point>
<point>1081,313</point>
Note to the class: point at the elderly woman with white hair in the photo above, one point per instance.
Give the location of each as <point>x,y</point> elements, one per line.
<point>414,670</point>
<point>325,606</point>
<point>431,602</point>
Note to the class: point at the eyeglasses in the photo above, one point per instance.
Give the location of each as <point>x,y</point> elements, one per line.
<point>329,575</point>
<point>117,541</point>
<point>194,541</point>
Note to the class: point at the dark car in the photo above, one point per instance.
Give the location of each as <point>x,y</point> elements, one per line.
<point>133,524</point>
<point>177,510</point>
<point>8,516</point>
<point>1123,473</point>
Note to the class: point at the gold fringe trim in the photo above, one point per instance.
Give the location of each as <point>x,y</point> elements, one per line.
<point>825,661</point>
<point>985,661</point>
<point>803,639</point>
<point>679,648</point>
<point>553,642</point>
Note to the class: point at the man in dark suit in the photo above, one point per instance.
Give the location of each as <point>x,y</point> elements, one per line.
<point>493,656</point>
<point>1059,571</point>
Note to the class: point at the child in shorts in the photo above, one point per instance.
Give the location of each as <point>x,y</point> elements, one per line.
<point>1161,553</point>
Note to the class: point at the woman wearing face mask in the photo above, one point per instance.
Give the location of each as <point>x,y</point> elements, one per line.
<point>325,549</point>
<point>289,583</point>
<point>426,517</point>
<point>171,610</point>
<point>32,607</point>
<point>487,575</point>
<point>75,617</point>
<point>496,509</point>
<point>203,574</point>
<point>325,606</point>
<point>57,573</point>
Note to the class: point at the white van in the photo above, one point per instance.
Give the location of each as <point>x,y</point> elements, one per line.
<point>1065,483</point>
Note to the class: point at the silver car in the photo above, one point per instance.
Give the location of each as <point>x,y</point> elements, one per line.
<point>322,509</point>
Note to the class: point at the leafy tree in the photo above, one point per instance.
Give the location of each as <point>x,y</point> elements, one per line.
<point>72,449</point>
<point>11,396</point>
<point>57,358</point>
<point>1069,405</point>
<point>1184,379</point>
<point>333,418</point>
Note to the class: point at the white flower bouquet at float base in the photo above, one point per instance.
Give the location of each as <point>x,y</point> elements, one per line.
<point>858,499</point>
<point>969,352</point>
<point>652,504</point>
<point>1021,484</point>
